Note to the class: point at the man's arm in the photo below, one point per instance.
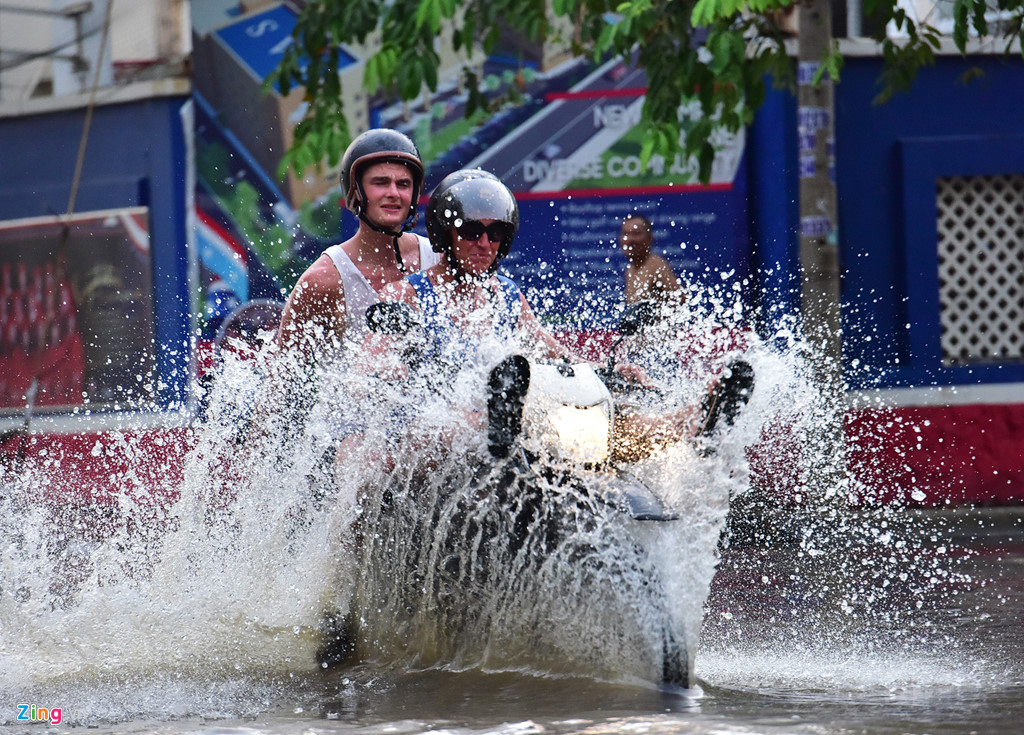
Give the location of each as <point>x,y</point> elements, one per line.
<point>314,318</point>
<point>312,325</point>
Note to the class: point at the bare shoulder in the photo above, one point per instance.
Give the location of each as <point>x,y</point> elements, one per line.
<point>321,276</point>
<point>656,263</point>
<point>663,271</point>
<point>319,288</point>
<point>318,300</point>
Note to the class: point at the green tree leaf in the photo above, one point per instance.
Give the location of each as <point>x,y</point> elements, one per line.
<point>744,39</point>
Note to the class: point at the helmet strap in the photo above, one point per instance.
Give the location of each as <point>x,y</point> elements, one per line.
<point>385,231</point>
<point>398,255</point>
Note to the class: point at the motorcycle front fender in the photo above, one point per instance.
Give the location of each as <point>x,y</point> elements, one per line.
<point>629,495</point>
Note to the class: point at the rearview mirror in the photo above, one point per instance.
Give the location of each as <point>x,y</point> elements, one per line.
<point>391,317</point>
<point>637,316</point>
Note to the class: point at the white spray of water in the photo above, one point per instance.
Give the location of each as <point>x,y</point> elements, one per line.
<point>270,530</point>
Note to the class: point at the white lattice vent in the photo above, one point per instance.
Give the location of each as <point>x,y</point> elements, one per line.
<point>981,268</point>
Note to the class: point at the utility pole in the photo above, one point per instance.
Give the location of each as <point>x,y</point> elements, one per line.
<point>819,239</point>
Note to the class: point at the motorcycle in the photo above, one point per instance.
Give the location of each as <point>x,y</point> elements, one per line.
<point>472,559</point>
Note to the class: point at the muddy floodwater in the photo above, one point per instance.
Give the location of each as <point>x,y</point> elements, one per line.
<point>793,642</point>
<point>501,593</point>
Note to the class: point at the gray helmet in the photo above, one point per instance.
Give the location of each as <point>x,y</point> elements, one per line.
<point>381,145</point>
<point>466,195</point>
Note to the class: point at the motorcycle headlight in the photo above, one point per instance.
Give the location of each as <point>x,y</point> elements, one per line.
<point>584,432</point>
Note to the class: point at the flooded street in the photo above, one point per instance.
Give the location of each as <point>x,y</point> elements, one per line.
<point>475,372</point>
<point>792,642</point>
<point>935,647</point>
<point>485,596</point>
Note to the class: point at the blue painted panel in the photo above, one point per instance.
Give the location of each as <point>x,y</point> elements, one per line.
<point>774,208</point>
<point>260,40</point>
<point>924,161</point>
<point>882,194</point>
<point>166,185</point>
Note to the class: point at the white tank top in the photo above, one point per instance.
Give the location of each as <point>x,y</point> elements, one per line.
<point>359,294</point>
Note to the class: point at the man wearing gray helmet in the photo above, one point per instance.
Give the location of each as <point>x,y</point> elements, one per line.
<point>472,219</point>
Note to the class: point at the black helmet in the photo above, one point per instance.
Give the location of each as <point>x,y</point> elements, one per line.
<point>470,194</point>
<point>381,145</point>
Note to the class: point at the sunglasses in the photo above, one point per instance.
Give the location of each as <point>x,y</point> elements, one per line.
<point>473,230</point>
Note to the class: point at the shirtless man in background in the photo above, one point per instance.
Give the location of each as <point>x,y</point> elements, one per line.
<point>648,276</point>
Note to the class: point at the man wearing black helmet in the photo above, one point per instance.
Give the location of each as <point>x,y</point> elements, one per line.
<point>382,179</point>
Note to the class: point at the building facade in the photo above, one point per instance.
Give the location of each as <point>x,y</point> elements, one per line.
<point>140,187</point>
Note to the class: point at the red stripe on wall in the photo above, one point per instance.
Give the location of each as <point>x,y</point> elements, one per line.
<point>593,94</point>
<point>617,191</point>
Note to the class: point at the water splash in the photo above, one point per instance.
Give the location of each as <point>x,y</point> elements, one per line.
<point>182,587</point>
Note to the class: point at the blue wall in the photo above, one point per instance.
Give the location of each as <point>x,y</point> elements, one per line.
<point>135,156</point>
<point>888,159</point>
<point>774,207</point>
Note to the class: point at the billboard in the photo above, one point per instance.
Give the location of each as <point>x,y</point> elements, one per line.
<point>563,132</point>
